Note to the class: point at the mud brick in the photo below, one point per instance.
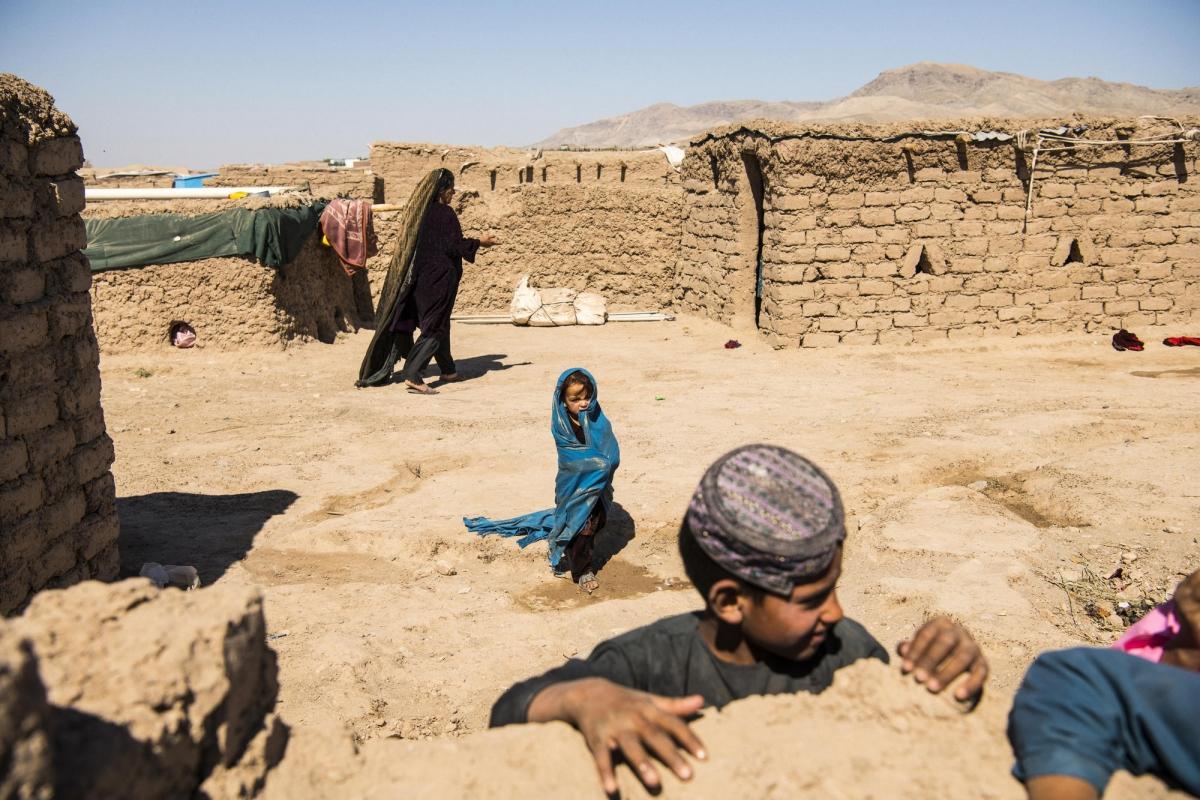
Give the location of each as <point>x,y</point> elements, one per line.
<point>945,195</point>
<point>930,174</point>
<point>917,194</point>
<point>860,337</point>
<point>908,320</point>
<point>819,340</point>
<point>1154,272</point>
<point>101,492</point>
<point>55,561</point>
<point>1064,293</point>
<point>842,270</point>
<point>820,309</point>
<point>1117,307</point>
<point>1015,312</point>
<point>97,533</point>
<point>791,202</point>
<point>59,238</point>
<point>51,445</point>
<point>883,269</point>
<point>1155,303</point>
<point>14,460</point>
<point>874,322</point>
<point>929,335</point>
<point>1050,189</point>
<point>13,244</point>
<point>69,317</point>
<point>889,199</point>
<point>60,517</point>
<point>19,499</point>
<point>1098,292</point>
<point>835,324</point>
<point>841,218</point>
<point>912,213</point>
<point>876,287</point>
<point>1132,289</point>
<point>931,230</point>
<point>66,196</point>
<point>1152,205</point>
<point>944,319</point>
<point>32,413</point>
<point>858,235</point>
<point>1096,190</point>
<point>57,157</point>
<point>16,201</point>
<point>995,299</point>
<point>93,459</point>
<point>832,253</point>
<point>945,211</point>
<point>1159,188</point>
<point>22,286</point>
<point>850,200</point>
<point>1118,274</point>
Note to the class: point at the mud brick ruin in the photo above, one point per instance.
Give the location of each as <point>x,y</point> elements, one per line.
<point>57,508</point>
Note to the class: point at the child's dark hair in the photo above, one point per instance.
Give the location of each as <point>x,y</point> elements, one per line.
<point>577,378</point>
<point>701,570</point>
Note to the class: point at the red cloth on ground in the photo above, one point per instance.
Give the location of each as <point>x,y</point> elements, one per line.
<point>1180,341</point>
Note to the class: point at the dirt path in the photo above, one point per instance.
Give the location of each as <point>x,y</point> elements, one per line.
<point>978,475</point>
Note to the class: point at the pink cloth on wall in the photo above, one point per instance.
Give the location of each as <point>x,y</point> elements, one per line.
<point>347,225</point>
<point>1147,637</point>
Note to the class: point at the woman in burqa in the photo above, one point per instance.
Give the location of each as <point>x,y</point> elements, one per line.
<point>420,288</point>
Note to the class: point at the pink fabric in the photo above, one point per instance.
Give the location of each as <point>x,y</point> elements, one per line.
<point>1147,637</point>
<point>347,226</point>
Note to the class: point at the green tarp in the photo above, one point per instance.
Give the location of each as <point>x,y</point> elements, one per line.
<point>274,236</point>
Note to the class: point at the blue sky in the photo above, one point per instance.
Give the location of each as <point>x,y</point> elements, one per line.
<point>202,83</point>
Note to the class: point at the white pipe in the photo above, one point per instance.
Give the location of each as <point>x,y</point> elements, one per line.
<point>219,192</point>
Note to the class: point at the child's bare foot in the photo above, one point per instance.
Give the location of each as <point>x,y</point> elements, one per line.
<point>588,582</point>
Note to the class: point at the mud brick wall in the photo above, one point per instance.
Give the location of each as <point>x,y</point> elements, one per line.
<point>232,303</point>
<point>607,222</point>
<point>920,239</point>
<point>321,180</point>
<point>58,522</point>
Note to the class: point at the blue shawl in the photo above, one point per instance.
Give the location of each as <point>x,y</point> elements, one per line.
<point>585,476</point>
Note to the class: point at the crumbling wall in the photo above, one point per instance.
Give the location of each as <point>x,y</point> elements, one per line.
<point>232,302</point>
<point>604,221</point>
<point>322,180</point>
<point>123,690</point>
<point>57,507</point>
<point>916,239</point>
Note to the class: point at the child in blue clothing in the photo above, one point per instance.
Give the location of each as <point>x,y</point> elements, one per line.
<point>1081,714</point>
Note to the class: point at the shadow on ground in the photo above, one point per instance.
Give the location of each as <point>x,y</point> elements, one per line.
<point>208,532</point>
<point>478,366</point>
<point>617,532</point>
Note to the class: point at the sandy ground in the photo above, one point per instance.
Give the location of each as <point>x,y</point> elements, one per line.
<point>1001,481</point>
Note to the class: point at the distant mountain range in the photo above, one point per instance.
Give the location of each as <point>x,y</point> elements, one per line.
<point>920,91</point>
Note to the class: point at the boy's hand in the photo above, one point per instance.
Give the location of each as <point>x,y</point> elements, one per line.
<point>487,240</point>
<point>940,651</point>
<point>612,717</point>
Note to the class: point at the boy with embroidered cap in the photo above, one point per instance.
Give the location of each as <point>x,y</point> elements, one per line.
<point>762,543</point>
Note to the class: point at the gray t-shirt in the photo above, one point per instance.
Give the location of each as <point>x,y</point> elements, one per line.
<point>670,658</point>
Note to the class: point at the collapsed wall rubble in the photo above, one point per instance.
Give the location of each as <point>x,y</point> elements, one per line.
<point>125,690</point>
<point>883,233</point>
<point>57,507</point>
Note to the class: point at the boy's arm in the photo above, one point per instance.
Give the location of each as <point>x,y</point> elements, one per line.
<point>612,717</point>
<point>941,651</point>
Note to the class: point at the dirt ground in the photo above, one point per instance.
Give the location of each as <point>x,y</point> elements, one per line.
<point>1001,481</point>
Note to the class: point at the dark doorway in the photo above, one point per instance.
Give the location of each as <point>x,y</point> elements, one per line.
<point>754,176</point>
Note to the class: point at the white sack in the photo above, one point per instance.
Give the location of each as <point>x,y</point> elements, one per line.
<point>590,309</point>
<point>558,308</point>
<point>525,302</point>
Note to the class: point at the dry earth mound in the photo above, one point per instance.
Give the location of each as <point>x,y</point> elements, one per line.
<point>874,734</point>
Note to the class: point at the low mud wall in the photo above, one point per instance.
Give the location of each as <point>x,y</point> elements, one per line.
<point>57,509</point>
<point>320,180</point>
<point>869,234</point>
<point>607,222</point>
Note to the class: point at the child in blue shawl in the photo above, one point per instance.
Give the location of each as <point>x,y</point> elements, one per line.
<point>588,456</point>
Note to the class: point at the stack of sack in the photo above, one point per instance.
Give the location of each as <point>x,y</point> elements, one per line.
<point>547,308</point>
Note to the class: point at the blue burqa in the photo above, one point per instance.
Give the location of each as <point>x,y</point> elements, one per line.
<point>585,476</point>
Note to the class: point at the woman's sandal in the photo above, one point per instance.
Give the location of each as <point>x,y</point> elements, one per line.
<point>419,388</point>
<point>453,377</point>
<point>588,578</point>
